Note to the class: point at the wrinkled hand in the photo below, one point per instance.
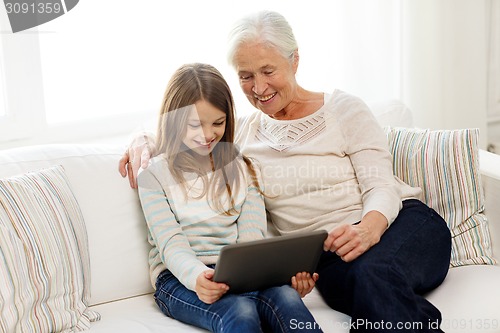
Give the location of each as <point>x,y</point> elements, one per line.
<point>351,241</point>
<point>304,283</point>
<point>138,154</point>
<point>207,290</point>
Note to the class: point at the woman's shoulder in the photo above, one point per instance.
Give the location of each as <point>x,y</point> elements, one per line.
<point>246,126</point>
<point>249,119</point>
<point>344,100</point>
<point>344,105</point>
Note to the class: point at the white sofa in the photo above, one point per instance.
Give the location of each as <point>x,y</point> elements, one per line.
<point>120,287</point>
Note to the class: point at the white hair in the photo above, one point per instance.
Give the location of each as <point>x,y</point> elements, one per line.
<point>267,27</point>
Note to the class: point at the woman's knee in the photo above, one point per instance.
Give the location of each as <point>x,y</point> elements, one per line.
<point>435,238</point>
<point>366,271</point>
<point>440,228</point>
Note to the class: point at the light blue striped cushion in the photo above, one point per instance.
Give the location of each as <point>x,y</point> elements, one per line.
<point>44,258</point>
<point>445,164</point>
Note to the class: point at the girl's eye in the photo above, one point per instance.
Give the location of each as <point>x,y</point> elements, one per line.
<point>219,123</point>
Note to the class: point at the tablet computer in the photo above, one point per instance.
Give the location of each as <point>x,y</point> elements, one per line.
<point>268,262</point>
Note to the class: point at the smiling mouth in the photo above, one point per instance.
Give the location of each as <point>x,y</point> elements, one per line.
<point>205,144</point>
<point>266,98</point>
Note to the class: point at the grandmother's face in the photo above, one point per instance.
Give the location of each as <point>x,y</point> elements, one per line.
<point>266,77</point>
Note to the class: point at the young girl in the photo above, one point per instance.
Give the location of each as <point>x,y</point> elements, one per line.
<point>198,195</point>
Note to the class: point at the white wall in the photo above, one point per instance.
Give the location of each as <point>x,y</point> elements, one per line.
<point>494,77</point>
<point>114,58</point>
<point>22,77</point>
<point>444,63</point>
<point>436,64</point>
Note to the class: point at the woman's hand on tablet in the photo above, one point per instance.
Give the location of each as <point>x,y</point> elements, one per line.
<point>304,282</point>
<point>208,291</point>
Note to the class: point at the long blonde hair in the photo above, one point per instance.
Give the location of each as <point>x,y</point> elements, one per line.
<point>188,85</point>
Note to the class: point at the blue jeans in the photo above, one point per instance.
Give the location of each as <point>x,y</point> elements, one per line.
<point>383,289</point>
<point>277,309</point>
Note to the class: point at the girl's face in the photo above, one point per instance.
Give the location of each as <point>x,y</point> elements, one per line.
<point>266,77</point>
<point>205,127</point>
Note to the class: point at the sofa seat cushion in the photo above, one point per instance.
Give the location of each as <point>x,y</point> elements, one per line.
<point>329,320</point>
<point>136,315</point>
<point>469,299</point>
<point>141,315</point>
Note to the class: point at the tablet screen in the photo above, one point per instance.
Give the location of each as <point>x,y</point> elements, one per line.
<point>269,262</point>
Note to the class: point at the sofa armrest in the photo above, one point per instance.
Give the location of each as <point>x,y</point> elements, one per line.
<point>490,174</point>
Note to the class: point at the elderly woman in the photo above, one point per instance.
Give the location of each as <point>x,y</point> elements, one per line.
<point>326,165</point>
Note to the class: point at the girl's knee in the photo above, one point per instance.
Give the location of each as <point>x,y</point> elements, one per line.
<point>242,309</point>
<point>242,316</point>
<point>285,295</point>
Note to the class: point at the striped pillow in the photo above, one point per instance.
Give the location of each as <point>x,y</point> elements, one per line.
<point>44,260</point>
<point>445,165</point>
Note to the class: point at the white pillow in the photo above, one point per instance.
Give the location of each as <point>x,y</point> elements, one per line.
<point>44,270</point>
<point>393,113</point>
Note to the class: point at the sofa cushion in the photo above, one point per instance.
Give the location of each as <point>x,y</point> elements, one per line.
<point>391,113</point>
<point>142,315</point>
<point>469,299</point>
<point>45,270</point>
<point>113,216</point>
<point>137,315</point>
<point>445,164</point>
